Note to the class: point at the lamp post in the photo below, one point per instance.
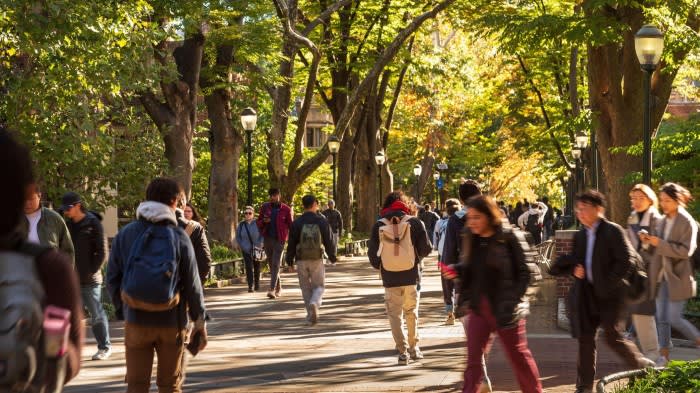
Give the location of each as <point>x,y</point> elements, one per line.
<point>417,170</point>
<point>249,119</point>
<point>576,153</point>
<point>379,159</point>
<point>441,167</point>
<point>581,143</point>
<point>648,43</point>
<point>334,147</point>
<point>436,177</point>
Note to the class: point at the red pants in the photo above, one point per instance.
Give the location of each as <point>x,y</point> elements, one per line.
<point>478,330</point>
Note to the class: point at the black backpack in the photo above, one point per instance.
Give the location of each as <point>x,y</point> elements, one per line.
<point>532,224</point>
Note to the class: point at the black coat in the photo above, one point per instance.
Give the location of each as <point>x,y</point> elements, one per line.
<point>90,248</point>
<point>335,220</point>
<point>612,262</point>
<point>506,273</point>
<point>453,241</point>
<point>200,244</point>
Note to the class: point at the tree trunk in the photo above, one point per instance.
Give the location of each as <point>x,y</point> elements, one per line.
<point>176,117</point>
<point>344,182</point>
<point>225,144</point>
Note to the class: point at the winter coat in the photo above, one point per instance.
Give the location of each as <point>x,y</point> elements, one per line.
<point>429,219</point>
<point>284,221</point>
<point>200,243</point>
<point>672,256</point>
<point>245,242</point>
<point>154,213</point>
<point>505,270</point>
<point>421,244</point>
<point>52,232</point>
<point>611,263</point>
<point>90,248</point>
<point>453,240</point>
<point>650,221</point>
<point>335,220</point>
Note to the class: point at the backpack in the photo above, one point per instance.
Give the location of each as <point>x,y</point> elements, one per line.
<point>532,224</point>
<point>151,273</point>
<point>23,360</point>
<point>309,246</point>
<point>395,244</point>
<point>637,280</point>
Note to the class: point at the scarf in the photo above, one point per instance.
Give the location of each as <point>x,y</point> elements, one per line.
<point>396,206</point>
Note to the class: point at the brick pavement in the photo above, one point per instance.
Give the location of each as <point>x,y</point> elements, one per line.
<point>261,345</point>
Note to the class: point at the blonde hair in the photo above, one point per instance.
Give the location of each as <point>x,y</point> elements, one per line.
<point>647,191</point>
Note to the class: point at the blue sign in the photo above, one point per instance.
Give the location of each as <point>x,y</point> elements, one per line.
<point>440,183</point>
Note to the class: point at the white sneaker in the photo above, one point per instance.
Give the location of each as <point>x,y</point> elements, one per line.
<point>646,363</point>
<point>102,354</point>
<point>661,362</point>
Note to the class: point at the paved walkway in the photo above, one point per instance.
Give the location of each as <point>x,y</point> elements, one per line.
<point>261,345</point>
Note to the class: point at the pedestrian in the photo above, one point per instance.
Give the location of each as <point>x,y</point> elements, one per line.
<point>309,235</point>
<point>198,236</point>
<point>456,223</point>
<point>397,243</point>
<point>645,217</point>
<point>532,220</point>
<point>90,246</point>
<point>448,287</point>
<point>600,262</point>
<point>191,213</point>
<point>274,221</point>
<point>23,357</point>
<point>671,268</point>
<point>153,280</point>
<point>248,238</point>
<point>335,220</point>
<point>429,218</point>
<point>515,213</point>
<point>44,226</point>
<point>548,219</point>
<point>493,278</point>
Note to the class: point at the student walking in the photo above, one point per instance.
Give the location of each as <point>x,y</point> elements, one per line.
<point>154,283</point>
<point>194,228</point>
<point>310,234</point>
<point>397,243</point>
<point>448,287</point>
<point>600,261</point>
<point>44,226</point>
<point>645,219</point>
<point>494,277</point>
<point>90,246</point>
<point>671,268</point>
<point>248,238</point>
<point>335,221</point>
<point>274,221</point>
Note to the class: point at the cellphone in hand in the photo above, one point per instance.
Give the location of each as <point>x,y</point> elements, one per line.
<point>193,345</point>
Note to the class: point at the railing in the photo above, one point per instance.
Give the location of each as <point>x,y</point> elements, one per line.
<point>631,375</point>
<point>357,247</point>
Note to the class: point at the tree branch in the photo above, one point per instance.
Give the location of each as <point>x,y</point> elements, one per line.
<point>324,16</point>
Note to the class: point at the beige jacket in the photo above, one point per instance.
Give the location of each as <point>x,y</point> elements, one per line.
<point>672,257</point>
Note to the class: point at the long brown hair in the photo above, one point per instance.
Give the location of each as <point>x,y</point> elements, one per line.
<point>488,207</point>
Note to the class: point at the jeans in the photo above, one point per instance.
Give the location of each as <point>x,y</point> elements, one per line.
<point>252,270</point>
<point>273,249</point>
<point>311,281</point>
<point>92,299</point>
<point>169,345</point>
<point>448,292</point>
<point>669,314</point>
<point>478,330</point>
<point>402,302</point>
<point>645,326</point>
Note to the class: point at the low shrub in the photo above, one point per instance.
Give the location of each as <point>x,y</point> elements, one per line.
<point>678,376</point>
<point>220,253</point>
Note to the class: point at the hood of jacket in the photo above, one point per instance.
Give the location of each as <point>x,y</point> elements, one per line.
<point>156,212</point>
<point>461,213</point>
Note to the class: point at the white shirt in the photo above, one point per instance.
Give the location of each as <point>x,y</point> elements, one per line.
<point>33,218</point>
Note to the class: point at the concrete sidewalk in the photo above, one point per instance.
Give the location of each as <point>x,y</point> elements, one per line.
<point>262,345</point>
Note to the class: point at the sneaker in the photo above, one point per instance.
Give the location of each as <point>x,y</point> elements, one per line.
<point>450,318</point>
<point>646,363</point>
<point>313,314</point>
<point>415,353</point>
<point>102,354</point>
<point>661,362</point>
<point>271,294</point>
<point>250,290</point>
<point>403,359</point>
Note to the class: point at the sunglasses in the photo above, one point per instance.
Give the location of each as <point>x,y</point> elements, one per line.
<point>248,213</point>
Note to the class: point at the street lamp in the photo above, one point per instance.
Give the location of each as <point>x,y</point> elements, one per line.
<point>249,119</point>
<point>436,177</point>
<point>334,147</point>
<point>581,140</point>
<point>576,153</point>
<point>417,170</point>
<point>379,159</point>
<point>649,44</point>
<point>441,167</point>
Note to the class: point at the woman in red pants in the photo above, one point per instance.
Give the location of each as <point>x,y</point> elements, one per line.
<point>494,277</point>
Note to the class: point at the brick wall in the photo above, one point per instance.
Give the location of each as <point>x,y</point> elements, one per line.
<point>564,244</point>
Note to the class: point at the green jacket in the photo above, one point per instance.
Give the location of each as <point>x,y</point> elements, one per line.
<point>52,231</point>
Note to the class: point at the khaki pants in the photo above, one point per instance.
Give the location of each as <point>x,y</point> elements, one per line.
<point>645,326</point>
<point>140,343</point>
<point>403,302</point>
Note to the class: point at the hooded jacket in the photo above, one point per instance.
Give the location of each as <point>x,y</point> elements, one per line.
<point>154,213</point>
<point>452,242</point>
<point>200,243</point>
<point>90,248</point>
<point>421,244</point>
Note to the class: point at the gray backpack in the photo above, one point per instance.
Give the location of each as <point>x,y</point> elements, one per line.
<point>23,363</point>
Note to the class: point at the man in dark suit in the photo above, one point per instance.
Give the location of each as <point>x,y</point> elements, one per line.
<point>601,259</point>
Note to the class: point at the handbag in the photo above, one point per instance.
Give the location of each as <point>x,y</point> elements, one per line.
<point>258,252</point>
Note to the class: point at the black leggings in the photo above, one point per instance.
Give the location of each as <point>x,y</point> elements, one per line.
<point>252,270</point>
